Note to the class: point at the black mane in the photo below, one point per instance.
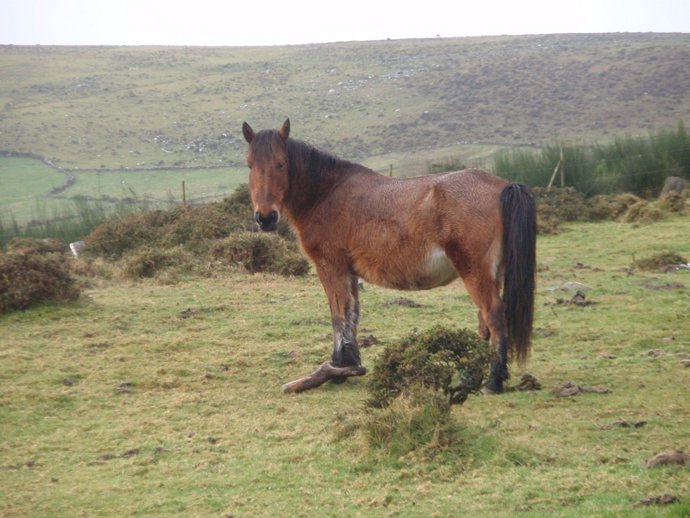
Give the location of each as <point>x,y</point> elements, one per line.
<point>313,173</point>
<point>305,158</point>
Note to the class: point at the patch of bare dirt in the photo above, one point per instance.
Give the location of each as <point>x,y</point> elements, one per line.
<point>622,423</point>
<point>527,383</point>
<point>667,458</point>
<point>658,500</point>
<point>654,284</point>
<point>404,302</point>
<point>368,341</point>
<point>579,299</point>
<point>569,389</point>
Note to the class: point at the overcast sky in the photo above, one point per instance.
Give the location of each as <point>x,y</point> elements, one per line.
<point>281,22</point>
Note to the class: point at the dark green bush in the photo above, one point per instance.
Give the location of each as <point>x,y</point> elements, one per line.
<point>453,361</point>
<point>628,164</point>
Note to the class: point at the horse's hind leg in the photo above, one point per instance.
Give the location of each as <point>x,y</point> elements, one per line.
<point>484,291</point>
<point>483,328</point>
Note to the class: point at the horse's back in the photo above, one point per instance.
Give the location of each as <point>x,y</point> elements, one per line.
<point>400,230</point>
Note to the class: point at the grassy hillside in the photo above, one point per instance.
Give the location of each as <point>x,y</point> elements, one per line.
<point>108,116</point>
<point>139,107</point>
<point>164,400</point>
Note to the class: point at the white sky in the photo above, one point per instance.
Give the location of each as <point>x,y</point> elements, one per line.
<point>282,22</point>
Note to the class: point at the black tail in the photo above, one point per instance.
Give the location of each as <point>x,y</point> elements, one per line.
<point>519,213</point>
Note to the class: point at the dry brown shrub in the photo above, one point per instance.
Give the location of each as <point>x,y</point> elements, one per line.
<point>30,245</point>
<point>673,202</point>
<point>643,212</point>
<point>32,272</point>
<point>547,224</point>
<point>659,261</point>
<point>149,262</point>
<point>193,227</point>
<point>611,206</point>
<point>259,252</point>
<point>565,204</point>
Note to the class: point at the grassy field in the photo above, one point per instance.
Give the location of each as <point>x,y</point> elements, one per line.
<point>27,186</point>
<point>25,183</point>
<point>159,400</point>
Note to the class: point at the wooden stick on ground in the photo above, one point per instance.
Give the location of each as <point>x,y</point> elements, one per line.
<point>320,376</point>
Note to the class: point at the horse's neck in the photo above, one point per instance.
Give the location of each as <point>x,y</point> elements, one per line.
<point>314,180</point>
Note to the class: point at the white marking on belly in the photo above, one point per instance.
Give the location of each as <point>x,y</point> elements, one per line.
<point>438,270</point>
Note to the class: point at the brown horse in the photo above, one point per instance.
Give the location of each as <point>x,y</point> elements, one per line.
<point>408,234</point>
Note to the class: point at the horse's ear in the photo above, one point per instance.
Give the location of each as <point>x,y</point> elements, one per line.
<point>285,130</point>
<point>248,132</point>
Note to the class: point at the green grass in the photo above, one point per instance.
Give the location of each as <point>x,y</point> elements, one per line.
<point>160,185</point>
<point>121,404</point>
<point>27,185</point>
<point>25,182</point>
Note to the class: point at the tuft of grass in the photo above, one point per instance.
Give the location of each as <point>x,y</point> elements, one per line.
<point>659,260</point>
<point>417,422</point>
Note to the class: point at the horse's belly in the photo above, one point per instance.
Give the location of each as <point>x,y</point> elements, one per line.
<point>435,269</point>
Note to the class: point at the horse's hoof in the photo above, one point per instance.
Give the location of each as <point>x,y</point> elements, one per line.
<point>491,389</point>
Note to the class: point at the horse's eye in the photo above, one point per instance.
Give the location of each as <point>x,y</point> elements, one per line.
<point>281,166</point>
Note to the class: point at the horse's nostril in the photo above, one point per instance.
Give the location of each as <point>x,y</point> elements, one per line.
<point>267,222</point>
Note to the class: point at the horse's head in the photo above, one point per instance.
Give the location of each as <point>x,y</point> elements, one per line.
<point>267,159</point>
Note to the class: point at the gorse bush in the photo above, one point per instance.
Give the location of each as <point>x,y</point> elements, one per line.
<point>412,387</point>
<point>556,206</point>
<point>196,240</point>
<point>35,271</point>
<point>452,361</point>
<point>193,227</point>
<point>257,252</point>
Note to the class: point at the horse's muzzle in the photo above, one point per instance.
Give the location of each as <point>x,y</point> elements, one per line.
<point>269,222</point>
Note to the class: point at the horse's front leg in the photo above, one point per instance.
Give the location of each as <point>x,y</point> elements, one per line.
<point>342,291</point>
<point>343,299</point>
